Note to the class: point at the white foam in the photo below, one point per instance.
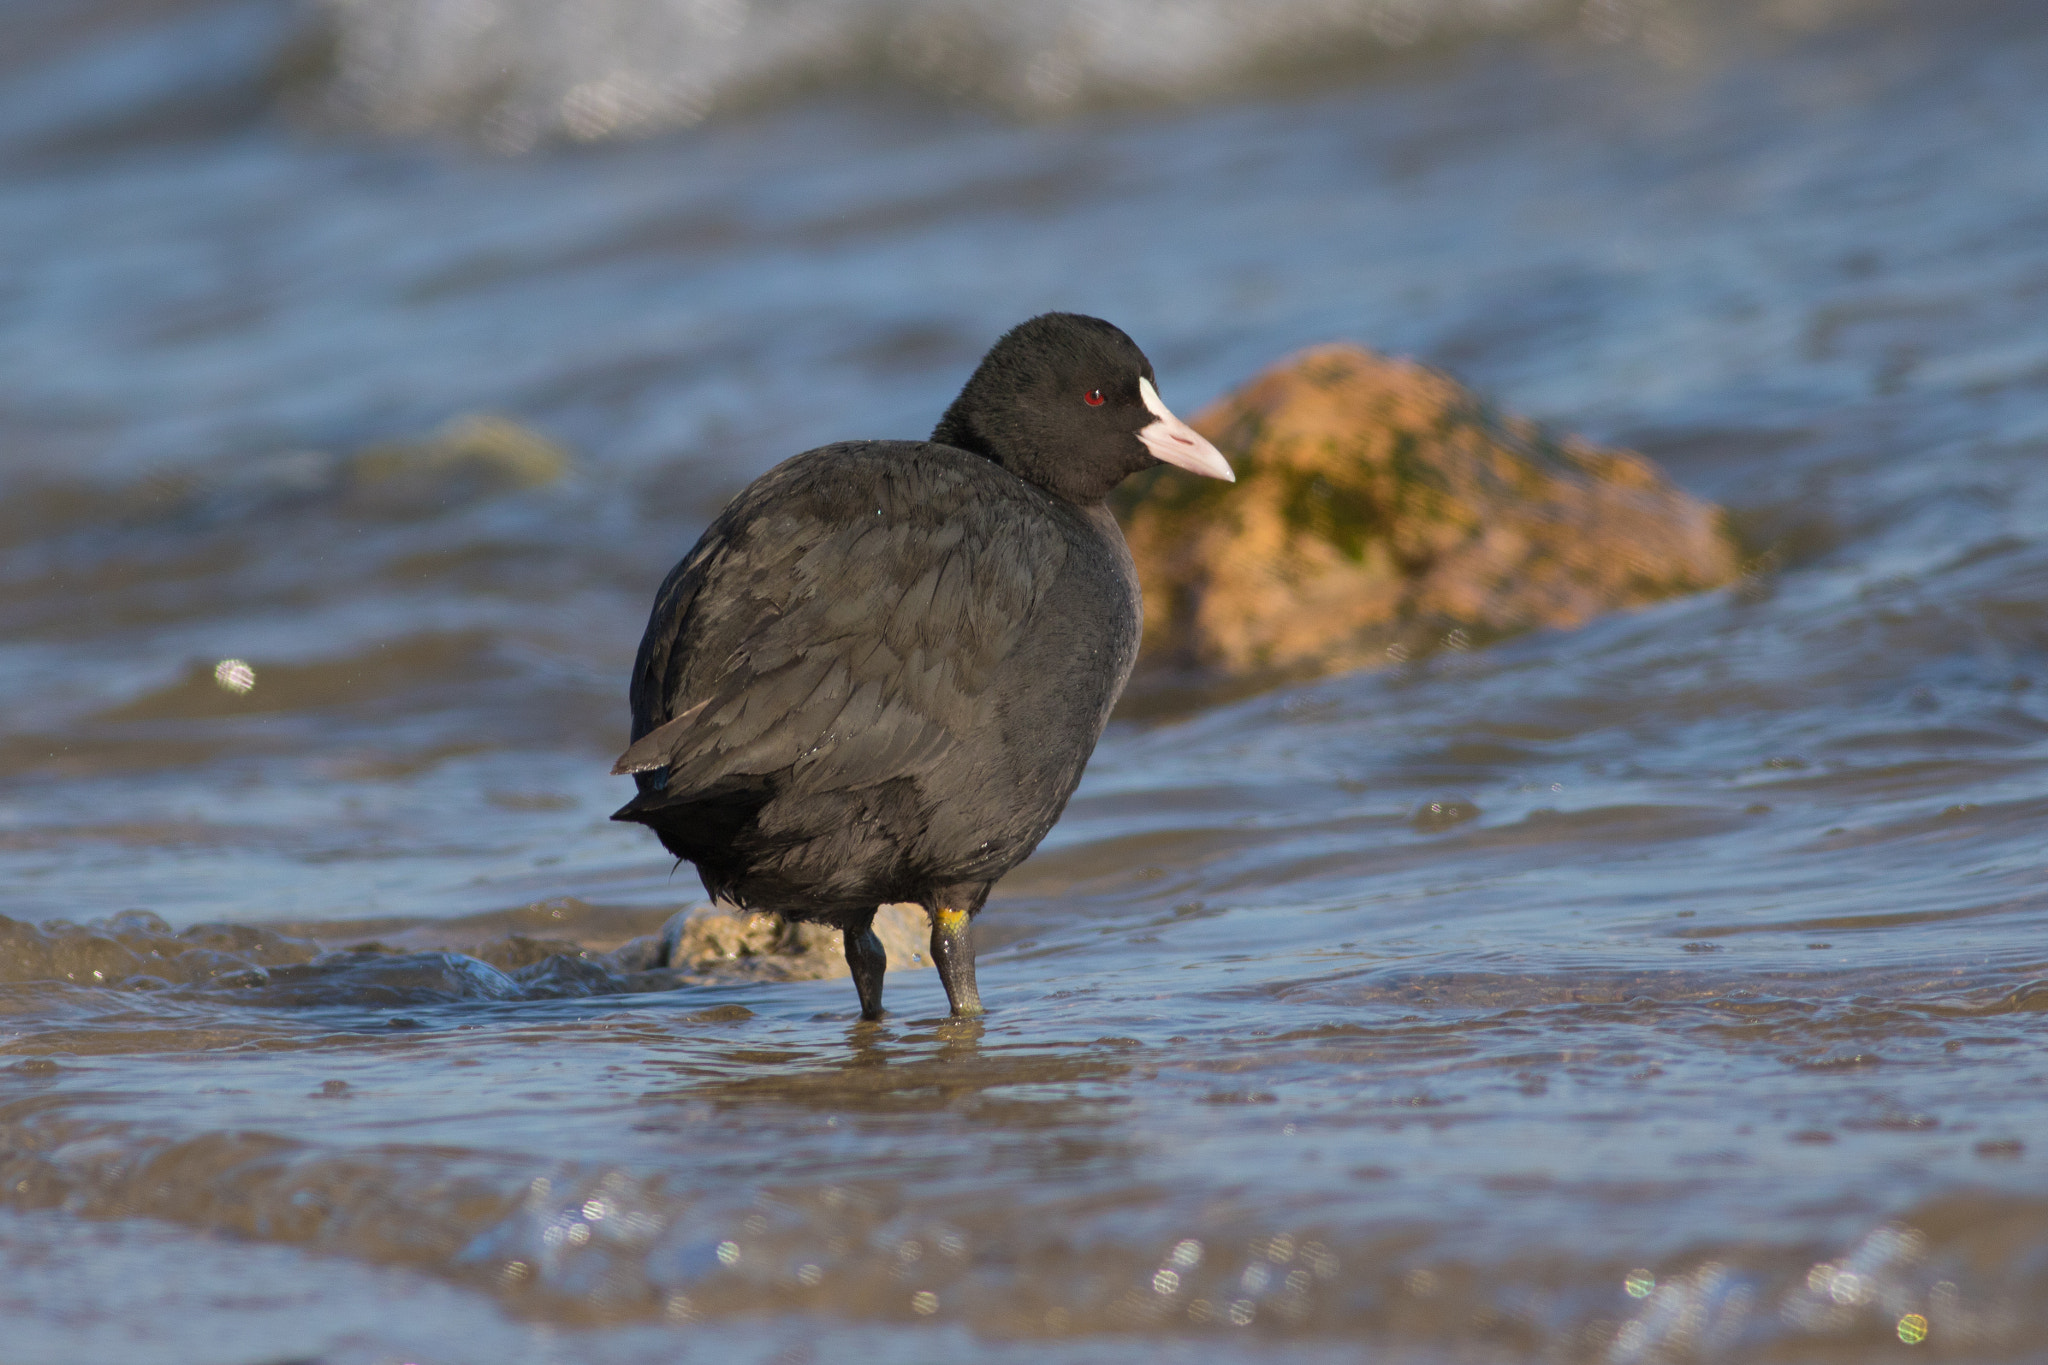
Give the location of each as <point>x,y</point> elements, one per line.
<point>522,71</point>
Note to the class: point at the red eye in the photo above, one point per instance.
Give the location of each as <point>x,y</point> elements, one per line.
<point>1093,398</point>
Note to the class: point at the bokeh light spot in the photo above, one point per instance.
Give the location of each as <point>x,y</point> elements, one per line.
<point>234,675</point>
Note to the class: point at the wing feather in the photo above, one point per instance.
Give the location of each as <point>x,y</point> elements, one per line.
<point>809,639</point>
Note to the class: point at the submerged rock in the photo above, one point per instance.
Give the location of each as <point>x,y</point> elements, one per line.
<point>466,460</point>
<point>1382,509</point>
<point>469,458</point>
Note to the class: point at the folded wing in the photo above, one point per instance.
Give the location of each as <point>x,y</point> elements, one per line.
<point>838,626</point>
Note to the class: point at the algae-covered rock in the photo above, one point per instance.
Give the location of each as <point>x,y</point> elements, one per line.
<point>1382,508</point>
<point>710,942</point>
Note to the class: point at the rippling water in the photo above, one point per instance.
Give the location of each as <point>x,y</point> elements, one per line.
<point>1666,990</point>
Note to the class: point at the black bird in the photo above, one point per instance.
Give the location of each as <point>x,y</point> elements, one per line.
<point>878,675</point>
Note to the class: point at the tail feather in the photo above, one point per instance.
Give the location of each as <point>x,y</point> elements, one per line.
<point>657,748</point>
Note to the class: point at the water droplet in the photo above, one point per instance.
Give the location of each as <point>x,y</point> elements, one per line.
<point>1442,814</point>
<point>234,676</point>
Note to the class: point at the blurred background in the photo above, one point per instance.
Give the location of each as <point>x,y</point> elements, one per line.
<point>364,364</point>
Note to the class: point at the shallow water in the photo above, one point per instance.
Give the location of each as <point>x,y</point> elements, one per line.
<point>1664,990</point>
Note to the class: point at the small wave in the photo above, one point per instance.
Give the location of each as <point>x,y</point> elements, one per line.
<point>138,951</point>
<point>518,72</point>
<point>523,70</point>
<point>483,958</point>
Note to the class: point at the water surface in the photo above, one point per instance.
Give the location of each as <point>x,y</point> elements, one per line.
<point>1664,990</point>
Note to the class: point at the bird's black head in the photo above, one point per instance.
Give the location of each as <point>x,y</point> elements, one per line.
<point>1068,402</point>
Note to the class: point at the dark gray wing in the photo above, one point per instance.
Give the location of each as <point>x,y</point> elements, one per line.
<point>839,624</point>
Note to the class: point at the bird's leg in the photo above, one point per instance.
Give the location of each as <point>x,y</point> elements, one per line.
<point>868,961</point>
<point>953,955</point>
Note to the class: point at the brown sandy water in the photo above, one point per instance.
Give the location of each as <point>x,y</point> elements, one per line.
<point>1670,990</point>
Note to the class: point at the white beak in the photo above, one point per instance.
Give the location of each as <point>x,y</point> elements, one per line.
<point>1177,443</point>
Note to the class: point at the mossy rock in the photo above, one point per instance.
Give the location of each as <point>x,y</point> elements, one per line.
<point>713,942</point>
<point>1382,508</point>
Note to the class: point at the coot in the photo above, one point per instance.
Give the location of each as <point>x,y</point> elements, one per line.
<point>880,672</point>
